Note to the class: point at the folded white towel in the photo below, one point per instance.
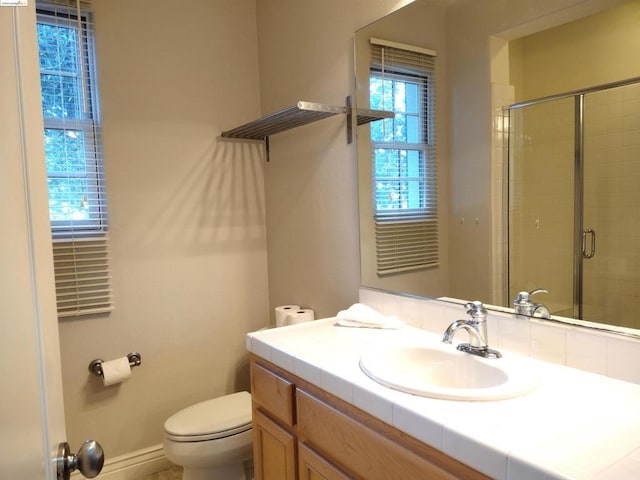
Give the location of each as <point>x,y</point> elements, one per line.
<point>359,315</point>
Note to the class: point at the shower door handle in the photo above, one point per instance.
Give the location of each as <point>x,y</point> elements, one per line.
<point>592,251</point>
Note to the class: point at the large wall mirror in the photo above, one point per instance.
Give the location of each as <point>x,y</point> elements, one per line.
<point>545,194</point>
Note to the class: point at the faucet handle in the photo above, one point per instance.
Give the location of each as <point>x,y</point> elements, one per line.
<point>523,304</point>
<point>524,298</point>
<point>538,290</point>
<point>476,310</point>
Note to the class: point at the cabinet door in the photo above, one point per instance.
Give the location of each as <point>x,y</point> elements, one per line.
<point>273,450</point>
<point>312,466</point>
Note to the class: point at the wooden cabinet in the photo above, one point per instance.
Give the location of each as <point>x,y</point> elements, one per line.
<point>300,427</point>
<point>274,456</point>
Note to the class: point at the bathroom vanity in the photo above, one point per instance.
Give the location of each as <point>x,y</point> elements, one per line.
<point>317,415</point>
<point>334,440</point>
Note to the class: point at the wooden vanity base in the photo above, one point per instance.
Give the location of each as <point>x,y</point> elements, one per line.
<point>301,428</point>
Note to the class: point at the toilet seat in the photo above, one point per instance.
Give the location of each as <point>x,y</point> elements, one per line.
<point>212,419</point>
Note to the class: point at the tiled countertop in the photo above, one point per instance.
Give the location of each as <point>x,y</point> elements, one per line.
<point>575,425</point>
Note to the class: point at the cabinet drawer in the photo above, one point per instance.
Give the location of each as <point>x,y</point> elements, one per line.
<point>361,451</point>
<point>274,393</point>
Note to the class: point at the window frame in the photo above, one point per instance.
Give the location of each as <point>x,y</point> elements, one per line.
<point>425,147</point>
<point>97,224</point>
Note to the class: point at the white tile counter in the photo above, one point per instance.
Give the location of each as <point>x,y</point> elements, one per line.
<point>575,425</point>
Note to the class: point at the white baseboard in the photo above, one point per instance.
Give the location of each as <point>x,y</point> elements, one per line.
<point>133,465</point>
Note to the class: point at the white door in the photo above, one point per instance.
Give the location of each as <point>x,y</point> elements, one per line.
<point>31,409</point>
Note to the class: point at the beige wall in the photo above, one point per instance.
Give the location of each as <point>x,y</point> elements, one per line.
<point>591,51</point>
<point>187,217</point>
<point>306,53</point>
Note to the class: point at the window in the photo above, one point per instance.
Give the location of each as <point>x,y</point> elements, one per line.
<point>403,158</point>
<point>69,106</point>
<point>73,154</point>
<point>400,144</point>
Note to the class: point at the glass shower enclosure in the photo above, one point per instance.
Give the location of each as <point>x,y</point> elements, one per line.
<point>574,202</point>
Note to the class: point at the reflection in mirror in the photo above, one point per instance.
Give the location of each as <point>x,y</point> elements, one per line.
<point>400,67</point>
<point>547,221</point>
<point>576,232</point>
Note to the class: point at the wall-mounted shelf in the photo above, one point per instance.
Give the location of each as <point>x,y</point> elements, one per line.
<point>302,113</point>
<point>365,116</point>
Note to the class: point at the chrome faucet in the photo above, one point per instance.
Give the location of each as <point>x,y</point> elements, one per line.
<point>476,326</point>
<point>523,304</point>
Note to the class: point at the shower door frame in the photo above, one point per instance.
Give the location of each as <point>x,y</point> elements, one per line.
<point>578,258</point>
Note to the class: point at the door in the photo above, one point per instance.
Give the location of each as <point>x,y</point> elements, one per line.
<point>574,221</point>
<point>541,202</point>
<point>31,408</point>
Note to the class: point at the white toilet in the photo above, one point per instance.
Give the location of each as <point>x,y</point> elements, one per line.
<point>211,440</point>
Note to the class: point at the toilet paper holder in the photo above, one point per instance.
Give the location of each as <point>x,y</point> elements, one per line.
<point>95,367</point>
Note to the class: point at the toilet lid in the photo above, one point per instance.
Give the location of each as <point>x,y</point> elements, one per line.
<point>216,418</point>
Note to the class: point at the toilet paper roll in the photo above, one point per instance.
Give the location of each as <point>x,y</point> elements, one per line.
<point>300,316</point>
<point>115,371</point>
<point>282,311</point>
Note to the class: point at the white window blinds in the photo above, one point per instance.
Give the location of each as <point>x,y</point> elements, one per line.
<point>73,151</point>
<point>83,277</point>
<point>402,80</point>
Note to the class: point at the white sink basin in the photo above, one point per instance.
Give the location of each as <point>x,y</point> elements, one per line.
<point>441,371</point>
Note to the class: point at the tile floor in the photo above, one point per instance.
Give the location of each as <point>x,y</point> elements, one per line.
<point>174,473</point>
